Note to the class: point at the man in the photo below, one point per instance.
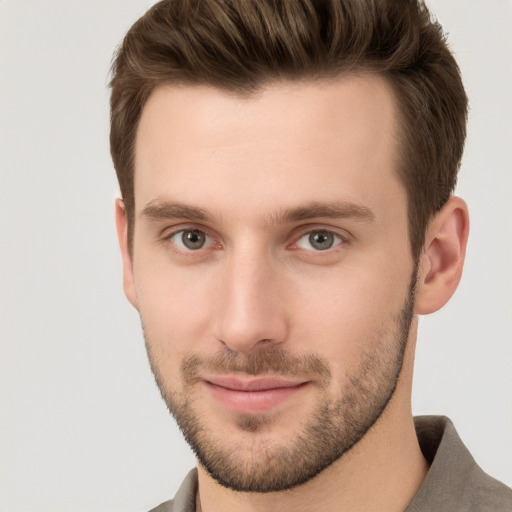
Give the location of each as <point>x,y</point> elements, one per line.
<point>286,171</point>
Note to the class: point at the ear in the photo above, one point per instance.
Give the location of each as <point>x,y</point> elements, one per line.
<point>122,235</point>
<point>442,259</point>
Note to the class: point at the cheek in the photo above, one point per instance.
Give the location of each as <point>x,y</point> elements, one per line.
<point>173,306</point>
<point>343,316</point>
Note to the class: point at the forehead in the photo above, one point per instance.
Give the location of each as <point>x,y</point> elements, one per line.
<point>288,142</point>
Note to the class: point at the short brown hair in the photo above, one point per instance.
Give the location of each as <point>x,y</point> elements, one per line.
<point>238,45</point>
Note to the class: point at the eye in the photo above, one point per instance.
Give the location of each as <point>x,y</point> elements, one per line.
<point>191,239</point>
<point>319,240</point>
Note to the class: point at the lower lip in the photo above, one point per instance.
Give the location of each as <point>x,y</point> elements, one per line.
<point>253,402</point>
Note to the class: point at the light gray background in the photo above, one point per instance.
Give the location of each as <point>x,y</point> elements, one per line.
<point>82,425</point>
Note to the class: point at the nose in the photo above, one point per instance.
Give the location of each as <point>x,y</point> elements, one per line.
<point>251,310</point>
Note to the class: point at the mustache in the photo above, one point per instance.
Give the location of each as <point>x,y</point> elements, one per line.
<point>264,361</point>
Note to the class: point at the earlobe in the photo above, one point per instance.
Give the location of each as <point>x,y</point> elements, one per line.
<point>440,265</point>
<point>122,234</point>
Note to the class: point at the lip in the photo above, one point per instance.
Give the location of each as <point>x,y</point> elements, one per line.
<point>253,396</point>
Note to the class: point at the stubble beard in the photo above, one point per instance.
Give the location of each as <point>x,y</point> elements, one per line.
<point>332,429</point>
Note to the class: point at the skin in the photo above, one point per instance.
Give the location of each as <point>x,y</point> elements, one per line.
<point>258,284</point>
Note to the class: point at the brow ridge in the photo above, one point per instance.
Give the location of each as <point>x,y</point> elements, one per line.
<point>331,210</point>
<point>163,210</point>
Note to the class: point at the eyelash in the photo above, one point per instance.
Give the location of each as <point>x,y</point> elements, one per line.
<point>340,240</point>
<point>168,239</point>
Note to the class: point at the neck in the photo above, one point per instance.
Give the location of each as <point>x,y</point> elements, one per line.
<point>382,472</point>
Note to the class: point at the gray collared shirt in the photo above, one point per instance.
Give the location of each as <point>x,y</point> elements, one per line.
<point>454,483</point>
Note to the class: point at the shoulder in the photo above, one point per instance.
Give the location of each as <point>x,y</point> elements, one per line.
<point>164,507</point>
<point>185,499</point>
<point>482,492</point>
<point>454,482</point>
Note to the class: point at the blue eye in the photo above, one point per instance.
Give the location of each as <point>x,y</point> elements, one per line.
<point>191,239</point>
<point>319,240</point>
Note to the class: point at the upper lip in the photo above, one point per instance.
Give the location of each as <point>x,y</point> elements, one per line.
<point>253,384</point>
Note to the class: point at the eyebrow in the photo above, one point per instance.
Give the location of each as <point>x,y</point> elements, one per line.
<point>331,210</point>
<point>165,210</point>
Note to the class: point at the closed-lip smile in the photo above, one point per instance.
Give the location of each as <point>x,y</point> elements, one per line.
<point>253,384</point>
<point>253,395</point>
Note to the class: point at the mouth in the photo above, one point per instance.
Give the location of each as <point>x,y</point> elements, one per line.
<point>254,395</point>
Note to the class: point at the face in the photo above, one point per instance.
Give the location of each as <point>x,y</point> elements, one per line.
<point>272,271</point>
